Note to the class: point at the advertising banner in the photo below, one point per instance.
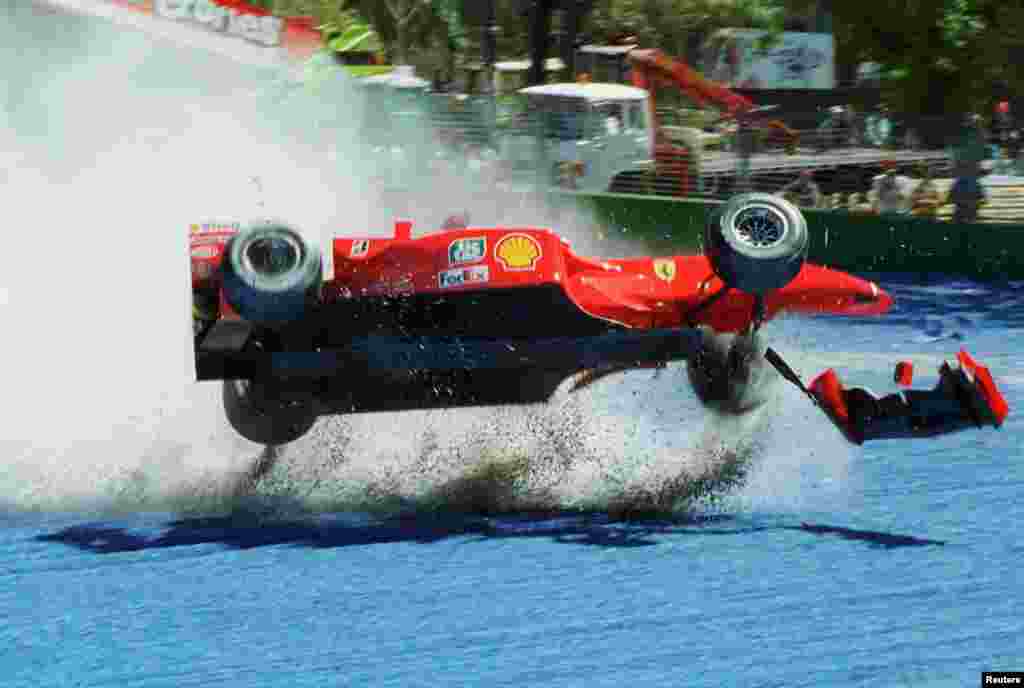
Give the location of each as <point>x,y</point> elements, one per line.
<point>225,16</point>
<point>745,58</point>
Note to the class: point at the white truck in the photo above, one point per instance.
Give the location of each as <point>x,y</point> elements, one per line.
<point>584,133</point>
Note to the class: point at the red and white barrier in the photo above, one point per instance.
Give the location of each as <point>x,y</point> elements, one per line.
<point>293,38</point>
<point>300,37</point>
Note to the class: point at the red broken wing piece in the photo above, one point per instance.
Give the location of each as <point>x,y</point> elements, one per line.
<point>828,392</point>
<point>987,386</point>
<point>904,374</point>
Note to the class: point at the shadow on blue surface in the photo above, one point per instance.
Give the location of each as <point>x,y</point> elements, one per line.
<point>873,537</point>
<point>232,533</point>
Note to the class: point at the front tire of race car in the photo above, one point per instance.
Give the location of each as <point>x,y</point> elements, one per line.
<point>262,412</point>
<point>271,275</point>
<point>756,242</point>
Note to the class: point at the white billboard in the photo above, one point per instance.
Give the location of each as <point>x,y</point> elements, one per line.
<point>745,58</point>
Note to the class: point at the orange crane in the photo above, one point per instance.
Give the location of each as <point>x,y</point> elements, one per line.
<point>652,68</point>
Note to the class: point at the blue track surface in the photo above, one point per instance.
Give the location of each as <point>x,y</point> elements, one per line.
<point>907,575</point>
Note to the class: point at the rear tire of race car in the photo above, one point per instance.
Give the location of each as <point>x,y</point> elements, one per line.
<point>271,275</point>
<point>756,242</point>
<point>260,413</point>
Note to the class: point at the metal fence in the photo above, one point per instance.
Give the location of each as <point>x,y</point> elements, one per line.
<point>869,162</point>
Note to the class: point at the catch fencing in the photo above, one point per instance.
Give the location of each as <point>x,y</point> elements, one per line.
<point>867,163</point>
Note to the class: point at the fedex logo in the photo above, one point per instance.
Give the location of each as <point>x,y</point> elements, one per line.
<point>458,277</point>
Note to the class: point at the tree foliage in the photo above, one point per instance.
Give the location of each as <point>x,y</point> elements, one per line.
<point>944,55</point>
<point>675,26</point>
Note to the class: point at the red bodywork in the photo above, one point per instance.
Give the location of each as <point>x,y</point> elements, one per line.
<point>634,292</point>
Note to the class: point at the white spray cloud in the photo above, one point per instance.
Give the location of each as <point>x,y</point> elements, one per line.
<point>113,143</point>
<point>110,146</point>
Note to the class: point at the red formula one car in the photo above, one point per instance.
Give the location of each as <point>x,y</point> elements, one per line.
<point>472,316</point>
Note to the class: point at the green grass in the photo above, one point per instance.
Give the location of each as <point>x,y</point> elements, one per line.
<point>367,70</point>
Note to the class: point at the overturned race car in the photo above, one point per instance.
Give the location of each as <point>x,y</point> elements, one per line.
<point>477,316</point>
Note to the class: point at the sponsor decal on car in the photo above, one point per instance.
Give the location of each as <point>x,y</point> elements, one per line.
<point>211,240</point>
<point>665,268</point>
<point>458,277</point>
<point>518,252</point>
<point>360,247</point>
<point>205,251</point>
<point>214,227</point>
<point>468,250</point>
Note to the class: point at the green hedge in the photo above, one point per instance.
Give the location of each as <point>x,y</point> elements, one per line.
<point>857,243</point>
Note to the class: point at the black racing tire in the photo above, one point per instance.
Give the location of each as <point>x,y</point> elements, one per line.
<point>271,275</point>
<point>756,242</point>
<point>259,412</point>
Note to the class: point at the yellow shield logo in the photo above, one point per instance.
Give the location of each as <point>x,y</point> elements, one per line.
<point>518,252</point>
<point>665,268</point>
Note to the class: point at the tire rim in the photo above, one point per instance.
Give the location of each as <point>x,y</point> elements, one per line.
<point>273,255</point>
<point>760,227</point>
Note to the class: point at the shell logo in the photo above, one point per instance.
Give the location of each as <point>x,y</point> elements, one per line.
<point>518,252</point>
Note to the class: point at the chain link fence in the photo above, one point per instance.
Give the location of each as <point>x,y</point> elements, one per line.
<point>835,159</point>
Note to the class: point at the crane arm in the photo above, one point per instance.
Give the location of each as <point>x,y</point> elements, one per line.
<point>651,66</point>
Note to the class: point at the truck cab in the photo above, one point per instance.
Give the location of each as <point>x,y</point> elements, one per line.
<point>584,134</point>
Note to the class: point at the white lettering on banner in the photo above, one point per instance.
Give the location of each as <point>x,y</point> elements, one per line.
<point>265,30</point>
<point>211,15</point>
<point>174,9</point>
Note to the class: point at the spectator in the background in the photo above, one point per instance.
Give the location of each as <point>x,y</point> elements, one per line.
<point>803,191</point>
<point>1002,123</point>
<point>858,203</point>
<point>1013,147</point>
<point>889,196</point>
<point>1007,133</point>
<point>925,199</point>
<point>968,196</point>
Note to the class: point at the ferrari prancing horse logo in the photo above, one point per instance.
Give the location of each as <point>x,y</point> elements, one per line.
<point>517,252</point>
<point>665,268</point>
